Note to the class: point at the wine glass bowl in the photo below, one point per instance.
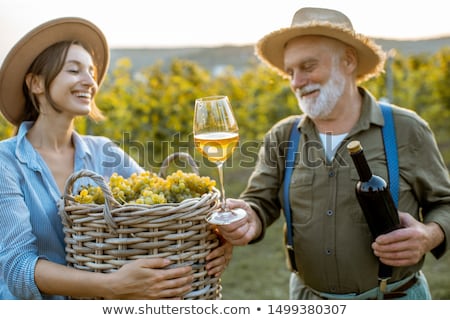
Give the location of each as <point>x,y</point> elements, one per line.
<point>216,136</point>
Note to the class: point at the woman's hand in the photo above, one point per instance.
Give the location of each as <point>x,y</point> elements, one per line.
<point>148,279</point>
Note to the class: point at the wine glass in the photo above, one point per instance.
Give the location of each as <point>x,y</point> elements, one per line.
<point>216,135</point>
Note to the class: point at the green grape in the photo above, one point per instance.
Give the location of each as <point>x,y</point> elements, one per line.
<point>84,197</point>
<point>148,188</point>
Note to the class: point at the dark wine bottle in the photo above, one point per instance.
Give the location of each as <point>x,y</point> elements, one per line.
<point>375,200</point>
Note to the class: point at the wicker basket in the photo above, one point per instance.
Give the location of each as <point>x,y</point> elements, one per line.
<point>102,238</point>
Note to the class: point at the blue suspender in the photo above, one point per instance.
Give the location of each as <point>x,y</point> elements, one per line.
<point>294,140</point>
<point>390,148</point>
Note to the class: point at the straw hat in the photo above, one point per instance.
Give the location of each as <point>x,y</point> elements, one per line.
<point>22,55</point>
<point>322,22</point>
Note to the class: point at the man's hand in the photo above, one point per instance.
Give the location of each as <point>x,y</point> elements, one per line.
<point>406,246</point>
<point>243,231</point>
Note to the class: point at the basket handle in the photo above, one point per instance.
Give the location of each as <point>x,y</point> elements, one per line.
<point>110,201</point>
<point>175,156</point>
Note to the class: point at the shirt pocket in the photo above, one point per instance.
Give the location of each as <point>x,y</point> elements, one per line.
<point>301,195</point>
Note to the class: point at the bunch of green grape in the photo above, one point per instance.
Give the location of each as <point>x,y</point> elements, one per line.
<point>149,188</point>
<point>180,185</point>
<point>90,194</point>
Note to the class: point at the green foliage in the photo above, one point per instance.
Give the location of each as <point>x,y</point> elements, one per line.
<point>149,112</point>
<point>154,108</point>
<point>6,129</point>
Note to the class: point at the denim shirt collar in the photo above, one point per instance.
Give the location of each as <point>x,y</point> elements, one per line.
<point>26,154</point>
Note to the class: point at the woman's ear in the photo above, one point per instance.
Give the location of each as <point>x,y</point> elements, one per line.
<point>34,83</point>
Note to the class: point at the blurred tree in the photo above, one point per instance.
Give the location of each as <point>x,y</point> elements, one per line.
<point>6,129</point>
<point>149,113</point>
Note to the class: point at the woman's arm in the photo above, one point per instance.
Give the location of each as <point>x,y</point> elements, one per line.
<point>140,279</point>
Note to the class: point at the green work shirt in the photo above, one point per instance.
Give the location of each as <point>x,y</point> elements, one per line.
<point>332,241</point>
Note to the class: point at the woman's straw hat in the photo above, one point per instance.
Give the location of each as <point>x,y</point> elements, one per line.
<point>22,55</point>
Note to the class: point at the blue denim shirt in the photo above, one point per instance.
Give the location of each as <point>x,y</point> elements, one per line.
<point>30,227</point>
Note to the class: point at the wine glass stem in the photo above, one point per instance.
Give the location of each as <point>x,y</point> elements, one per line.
<point>222,189</point>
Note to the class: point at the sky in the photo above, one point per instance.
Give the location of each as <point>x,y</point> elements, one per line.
<point>187,23</point>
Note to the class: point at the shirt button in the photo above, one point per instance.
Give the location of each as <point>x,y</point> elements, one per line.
<point>331,174</point>
<point>328,251</point>
<point>329,213</point>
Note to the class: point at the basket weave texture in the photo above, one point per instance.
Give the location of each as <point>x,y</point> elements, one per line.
<point>102,238</point>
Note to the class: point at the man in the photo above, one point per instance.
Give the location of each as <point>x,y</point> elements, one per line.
<point>334,254</point>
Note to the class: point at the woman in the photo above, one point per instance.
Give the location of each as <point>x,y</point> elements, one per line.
<point>49,78</point>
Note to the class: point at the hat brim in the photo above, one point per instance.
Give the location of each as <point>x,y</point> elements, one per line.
<point>270,49</point>
<point>22,55</point>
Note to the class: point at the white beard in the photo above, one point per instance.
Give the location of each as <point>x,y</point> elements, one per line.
<point>329,93</point>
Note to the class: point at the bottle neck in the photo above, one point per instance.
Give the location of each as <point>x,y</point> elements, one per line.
<point>362,166</point>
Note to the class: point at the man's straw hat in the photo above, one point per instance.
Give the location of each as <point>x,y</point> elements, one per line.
<point>322,22</point>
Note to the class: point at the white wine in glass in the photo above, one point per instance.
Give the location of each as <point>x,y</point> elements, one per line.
<point>216,135</point>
